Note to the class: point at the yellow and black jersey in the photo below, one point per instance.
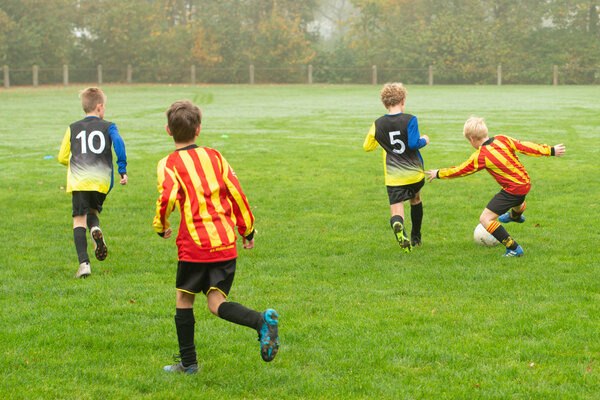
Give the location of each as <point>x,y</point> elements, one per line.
<point>87,152</point>
<point>497,156</point>
<point>398,135</point>
<point>201,183</point>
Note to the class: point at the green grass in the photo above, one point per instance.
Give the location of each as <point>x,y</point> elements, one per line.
<point>452,320</point>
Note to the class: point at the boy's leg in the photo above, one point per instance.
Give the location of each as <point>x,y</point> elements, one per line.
<point>93,224</point>
<point>488,220</point>
<point>416,217</point>
<point>265,323</point>
<point>184,323</point>
<point>397,224</point>
<point>80,239</point>
<point>232,312</point>
<point>515,214</point>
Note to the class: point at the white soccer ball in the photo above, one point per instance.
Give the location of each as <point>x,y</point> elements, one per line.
<point>483,237</point>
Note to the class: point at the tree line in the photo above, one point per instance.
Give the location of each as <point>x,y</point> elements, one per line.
<point>460,38</point>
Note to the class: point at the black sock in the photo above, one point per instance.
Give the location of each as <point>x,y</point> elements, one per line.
<point>238,314</point>
<point>184,322</point>
<point>396,218</point>
<point>92,220</point>
<point>81,244</point>
<point>503,237</point>
<point>416,217</point>
<point>515,216</point>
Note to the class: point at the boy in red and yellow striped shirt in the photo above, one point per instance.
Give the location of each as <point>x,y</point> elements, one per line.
<point>201,183</point>
<point>498,156</point>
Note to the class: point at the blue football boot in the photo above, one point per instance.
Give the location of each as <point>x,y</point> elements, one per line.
<point>506,218</point>
<point>518,252</point>
<point>268,335</point>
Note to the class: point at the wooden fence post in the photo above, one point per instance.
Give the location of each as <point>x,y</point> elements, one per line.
<point>129,74</point>
<point>65,75</point>
<point>374,74</point>
<point>99,74</point>
<point>6,78</point>
<point>252,74</point>
<point>193,74</point>
<point>555,75</point>
<point>310,74</point>
<point>499,74</point>
<point>35,76</point>
<point>431,75</point>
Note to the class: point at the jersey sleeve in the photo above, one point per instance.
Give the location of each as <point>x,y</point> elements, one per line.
<point>469,167</point>
<point>241,208</point>
<point>529,148</point>
<point>65,148</point>
<point>370,143</point>
<point>119,147</point>
<point>415,142</point>
<point>168,187</point>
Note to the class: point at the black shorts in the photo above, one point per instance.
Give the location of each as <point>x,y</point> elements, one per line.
<point>504,201</point>
<point>195,277</point>
<point>83,202</point>
<point>398,194</point>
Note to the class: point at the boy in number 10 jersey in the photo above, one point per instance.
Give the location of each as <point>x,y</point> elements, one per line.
<point>398,134</point>
<point>86,151</point>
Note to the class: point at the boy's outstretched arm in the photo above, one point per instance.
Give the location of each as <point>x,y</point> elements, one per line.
<point>559,150</point>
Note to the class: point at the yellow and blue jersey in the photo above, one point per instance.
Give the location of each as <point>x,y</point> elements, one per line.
<point>398,135</point>
<point>87,152</point>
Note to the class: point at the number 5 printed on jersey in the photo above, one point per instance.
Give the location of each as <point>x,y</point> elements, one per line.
<point>394,140</point>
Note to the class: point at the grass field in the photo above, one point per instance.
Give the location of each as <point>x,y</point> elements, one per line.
<point>451,320</point>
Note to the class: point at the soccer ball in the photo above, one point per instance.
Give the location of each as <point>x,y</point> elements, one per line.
<point>483,237</point>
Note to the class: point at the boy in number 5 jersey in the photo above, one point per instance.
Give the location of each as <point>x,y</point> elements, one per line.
<point>201,183</point>
<point>86,151</point>
<point>398,134</point>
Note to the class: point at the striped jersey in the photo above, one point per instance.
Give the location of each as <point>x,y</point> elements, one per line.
<point>86,150</point>
<point>201,183</point>
<point>398,135</point>
<point>498,156</point>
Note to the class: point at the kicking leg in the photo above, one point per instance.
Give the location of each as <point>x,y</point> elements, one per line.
<point>489,220</point>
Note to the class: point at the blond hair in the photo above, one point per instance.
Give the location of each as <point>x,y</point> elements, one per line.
<point>475,129</point>
<point>183,118</point>
<point>91,97</point>
<point>393,94</point>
